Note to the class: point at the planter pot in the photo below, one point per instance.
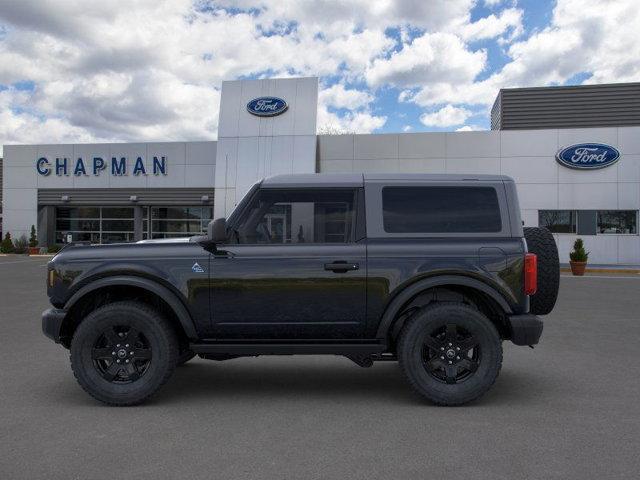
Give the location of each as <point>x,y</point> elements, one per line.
<point>34,250</point>
<point>578,268</point>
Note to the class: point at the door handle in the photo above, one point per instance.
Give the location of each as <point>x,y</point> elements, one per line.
<point>341,266</point>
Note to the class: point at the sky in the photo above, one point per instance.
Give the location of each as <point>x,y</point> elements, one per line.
<point>75,71</point>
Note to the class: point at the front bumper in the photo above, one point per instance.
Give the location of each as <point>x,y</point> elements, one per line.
<point>52,320</point>
<point>525,329</point>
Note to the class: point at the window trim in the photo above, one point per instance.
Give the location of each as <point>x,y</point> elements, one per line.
<point>240,215</point>
<point>374,215</point>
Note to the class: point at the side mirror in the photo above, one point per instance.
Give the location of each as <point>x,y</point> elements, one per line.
<point>217,230</point>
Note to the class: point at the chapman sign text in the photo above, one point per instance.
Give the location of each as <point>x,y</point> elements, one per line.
<point>117,166</point>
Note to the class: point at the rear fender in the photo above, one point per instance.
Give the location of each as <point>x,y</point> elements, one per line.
<point>402,298</point>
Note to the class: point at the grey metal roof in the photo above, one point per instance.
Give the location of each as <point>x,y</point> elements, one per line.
<point>576,106</point>
<point>358,179</point>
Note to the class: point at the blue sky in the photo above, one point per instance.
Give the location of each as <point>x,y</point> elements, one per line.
<point>77,71</point>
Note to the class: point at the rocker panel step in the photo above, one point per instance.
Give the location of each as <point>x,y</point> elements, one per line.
<point>289,348</point>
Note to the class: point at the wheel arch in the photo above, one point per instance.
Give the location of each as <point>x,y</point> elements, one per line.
<point>484,296</point>
<point>98,292</point>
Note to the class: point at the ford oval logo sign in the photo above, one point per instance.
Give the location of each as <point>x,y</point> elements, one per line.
<point>588,156</point>
<point>267,106</point>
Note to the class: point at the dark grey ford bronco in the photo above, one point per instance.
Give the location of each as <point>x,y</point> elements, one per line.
<point>434,271</point>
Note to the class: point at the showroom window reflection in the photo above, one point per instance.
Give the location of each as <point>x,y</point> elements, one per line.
<point>623,222</point>
<point>600,222</point>
<point>558,221</point>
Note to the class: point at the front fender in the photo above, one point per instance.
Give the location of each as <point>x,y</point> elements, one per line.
<point>163,292</point>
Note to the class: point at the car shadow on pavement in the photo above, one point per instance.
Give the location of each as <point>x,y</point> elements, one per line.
<point>384,382</point>
<point>248,379</point>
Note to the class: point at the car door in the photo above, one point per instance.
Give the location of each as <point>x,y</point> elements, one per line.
<point>293,267</point>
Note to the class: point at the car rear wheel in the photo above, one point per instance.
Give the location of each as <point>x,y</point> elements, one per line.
<point>123,352</point>
<point>450,353</point>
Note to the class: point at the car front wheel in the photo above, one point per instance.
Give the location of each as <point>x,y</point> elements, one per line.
<point>123,352</point>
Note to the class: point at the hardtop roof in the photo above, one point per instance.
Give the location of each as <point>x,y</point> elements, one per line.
<point>359,179</point>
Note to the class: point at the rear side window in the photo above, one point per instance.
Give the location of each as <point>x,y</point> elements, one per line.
<point>440,210</point>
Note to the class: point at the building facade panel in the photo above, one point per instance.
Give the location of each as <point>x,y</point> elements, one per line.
<point>174,188</point>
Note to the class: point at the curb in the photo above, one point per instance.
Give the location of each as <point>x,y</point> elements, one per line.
<point>627,271</point>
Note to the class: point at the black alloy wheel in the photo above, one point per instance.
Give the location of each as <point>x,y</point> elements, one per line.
<point>121,354</point>
<point>451,354</point>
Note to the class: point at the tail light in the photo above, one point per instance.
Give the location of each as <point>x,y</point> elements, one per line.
<point>530,273</point>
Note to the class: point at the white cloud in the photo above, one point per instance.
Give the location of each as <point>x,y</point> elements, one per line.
<point>432,57</point>
<point>509,20</point>
<point>351,122</point>
<point>407,128</point>
<point>151,69</point>
<point>338,96</point>
<point>447,116</point>
<point>584,36</point>
<point>469,128</point>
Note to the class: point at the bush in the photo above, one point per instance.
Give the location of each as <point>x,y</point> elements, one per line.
<point>54,249</point>
<point>579,254</point>
<point>33,239</point>
<point>21,244</point>
<point>7,244</point>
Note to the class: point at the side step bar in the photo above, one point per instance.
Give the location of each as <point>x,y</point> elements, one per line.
<point>289,348</point>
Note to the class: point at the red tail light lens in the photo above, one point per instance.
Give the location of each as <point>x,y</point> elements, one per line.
<point>530,273</point>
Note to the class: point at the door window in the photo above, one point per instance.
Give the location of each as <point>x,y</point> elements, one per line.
<point>297,216</point>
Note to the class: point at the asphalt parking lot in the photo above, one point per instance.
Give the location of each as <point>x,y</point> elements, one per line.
<point>568,409</point>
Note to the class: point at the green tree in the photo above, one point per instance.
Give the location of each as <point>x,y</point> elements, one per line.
<point>33,239</point>
<point>579,254</point>
<point>7,244</point>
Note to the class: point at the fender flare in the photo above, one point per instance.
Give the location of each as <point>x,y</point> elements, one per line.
<point>393,308</point>
<point>161,291</point>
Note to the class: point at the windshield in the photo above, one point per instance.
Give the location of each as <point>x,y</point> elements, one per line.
<point>240,206</point>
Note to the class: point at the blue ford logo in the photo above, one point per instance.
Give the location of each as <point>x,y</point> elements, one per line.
<point>588,156</point>
<point>267,106</point>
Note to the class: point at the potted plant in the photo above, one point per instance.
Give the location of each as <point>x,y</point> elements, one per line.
<point>578,258</point>
<point>7,244</point>
<point>33,242</point>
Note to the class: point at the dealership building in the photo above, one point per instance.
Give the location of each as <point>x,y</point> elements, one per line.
<point>574,153</point>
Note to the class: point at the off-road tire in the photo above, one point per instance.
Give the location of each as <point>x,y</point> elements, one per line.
<point>412,360</point>
<point>155,329</point>
<point>541,242</point>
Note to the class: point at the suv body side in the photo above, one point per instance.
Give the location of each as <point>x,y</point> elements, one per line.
<point>395,261</point>
<point>283,290</point>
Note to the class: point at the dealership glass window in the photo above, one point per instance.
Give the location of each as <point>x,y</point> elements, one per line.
<point>292,216</point>
<point>618,221</point>
<point>558,221</point>
<point>94,224</point>
<point>440,210</point>
<point>172,222</point>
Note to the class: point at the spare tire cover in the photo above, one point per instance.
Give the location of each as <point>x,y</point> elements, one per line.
<point>541,242</point>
